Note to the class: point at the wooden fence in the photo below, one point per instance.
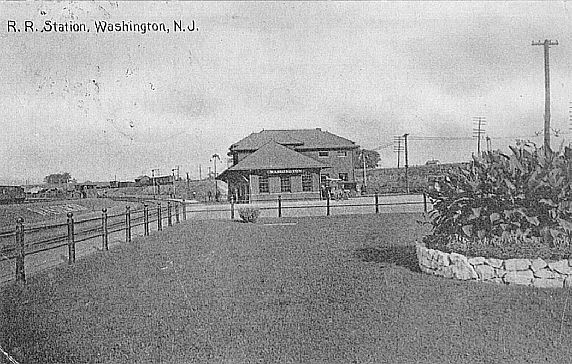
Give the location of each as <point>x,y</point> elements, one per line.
<point>72,232</point>
<point>53,236</point>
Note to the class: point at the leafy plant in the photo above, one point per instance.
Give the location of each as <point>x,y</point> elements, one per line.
<point>525,195</point>
<point>249,214</point>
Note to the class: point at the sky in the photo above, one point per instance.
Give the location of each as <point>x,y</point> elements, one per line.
<point>117,105</point>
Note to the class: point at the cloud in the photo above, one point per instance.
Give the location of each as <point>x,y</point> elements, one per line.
<point>122,103</point>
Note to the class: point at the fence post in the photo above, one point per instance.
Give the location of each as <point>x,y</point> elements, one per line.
<point>71,242</point>
<point>376,203</point>
<point>327,204</point>
<point>232,209</point>
<point>104,236</point>
<point>20,273</point>
<point>146,219</point>
<point>424,202</point>
<point>184,210</point>
<point>177,212</point>
<point>279,206</point>
<point>169,217</point>
<point>127,224</point>
<point>159,218</point>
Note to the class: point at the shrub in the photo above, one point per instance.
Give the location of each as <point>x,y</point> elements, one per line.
<point>523,199</point>
<point>249,214</point>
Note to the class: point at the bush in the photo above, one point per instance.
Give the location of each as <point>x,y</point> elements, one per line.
<point>249,214</point>
<point>524,199</point>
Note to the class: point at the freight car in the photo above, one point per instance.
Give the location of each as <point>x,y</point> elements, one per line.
<point>12,194</point>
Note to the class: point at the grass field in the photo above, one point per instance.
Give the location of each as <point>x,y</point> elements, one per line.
<point>92,207</point>
<point>50,215</point>
<point>344,289</point>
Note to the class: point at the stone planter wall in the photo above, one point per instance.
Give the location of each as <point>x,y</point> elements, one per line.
<point>528,272</point>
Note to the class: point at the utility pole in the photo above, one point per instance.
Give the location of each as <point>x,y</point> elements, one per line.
<point>546,44</point>
<point>398,151</point>
<point>479,122</point>
<point>570,113</point>
<point>200,173</point>
<point>398,148</point>
<point>174,179</point>
<point>570,116</point>
<point>214,158</point>
<point>406,163</point>
<point>153,178</point>
<point>178,172</point>
<point>364,170</point>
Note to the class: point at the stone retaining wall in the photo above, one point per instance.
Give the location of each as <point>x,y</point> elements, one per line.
<point>528,272</point>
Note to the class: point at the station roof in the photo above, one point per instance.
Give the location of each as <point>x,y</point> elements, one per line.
<point>298,138</point>
<point>274,156</point>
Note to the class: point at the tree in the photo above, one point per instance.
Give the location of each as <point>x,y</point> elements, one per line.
<point>371,158</point>
<point>58,178</point>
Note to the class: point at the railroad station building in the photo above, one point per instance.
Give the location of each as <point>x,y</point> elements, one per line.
<point>293,164</point>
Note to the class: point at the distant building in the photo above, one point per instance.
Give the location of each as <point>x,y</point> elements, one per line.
<point>102,185</point>
<point>143,181</point>
<point>12,194</point>
<point>121,184</point>
<point>295,164</point>
<point>33,191</point>
<point>85,189</point>
<point>162,180</point>
<point>431,162</point>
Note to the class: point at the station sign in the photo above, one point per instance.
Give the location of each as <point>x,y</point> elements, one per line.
<point>284,171</point>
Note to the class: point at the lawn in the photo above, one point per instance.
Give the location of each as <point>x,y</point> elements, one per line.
<point>341,289</point>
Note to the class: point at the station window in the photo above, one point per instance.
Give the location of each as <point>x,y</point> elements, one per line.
<point>343,176</point>
<point>307,182</point>
<point>323,154</point>
<point>263,186</point>
<point>342,153</point>
<point>324,178</point>
<point>285,185</point>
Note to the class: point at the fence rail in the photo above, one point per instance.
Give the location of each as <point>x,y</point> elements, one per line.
<point>41,238</point>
